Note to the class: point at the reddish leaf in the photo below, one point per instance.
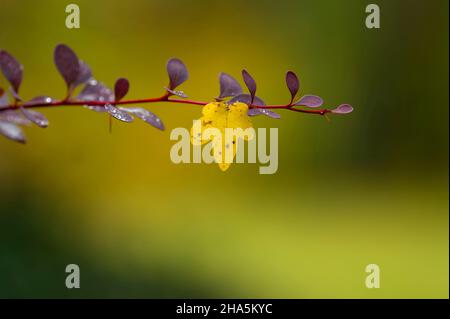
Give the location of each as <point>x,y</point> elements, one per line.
<point>15,117</point>
<point>250,83</point>
<point>84,75</point>
<point>121,88</point>
<point>118,114</point>
<point>12,70</point>
<point>343,109</point>
<point>178,93</point>
<point>254,112</point>
<point>247,99</point>
<point>67,64</point>
<point>310,101</point>
<point>96,91</point>
<point>39,100</point>
<point>35,117</point>
<point>292,83</point>
<point>228,86</point>
<point>146,116</point>
<point>4,100</point>
<point>177,73</point>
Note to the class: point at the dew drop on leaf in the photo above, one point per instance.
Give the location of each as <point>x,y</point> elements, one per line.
<point>35,117</point>
<point>178,93</point>
<point>146,116</point>
<point>96,91</point>
<point>247,99</point>
<point>84,74</point>
<point>118,114</point>
<point>15,117</point>
<point>39,100</point>
<point>254,112</point>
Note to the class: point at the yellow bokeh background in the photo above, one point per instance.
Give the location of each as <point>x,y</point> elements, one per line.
<point>370,187</point>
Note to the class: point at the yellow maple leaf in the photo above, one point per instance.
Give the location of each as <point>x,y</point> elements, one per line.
<point>223,125</point>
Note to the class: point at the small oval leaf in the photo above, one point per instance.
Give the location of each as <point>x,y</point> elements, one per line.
<point>13,132</point>
<point>39,100</point>
<point>84,75</point>
<point>292,83</point>
<point>96,108</point>
<point>250,83</point>
<point>247,99</point>
<point>121,88</point>
<point>229,86</point>
<point>4,100</point>
<point>177,71</point>
<point>146,116</point>
<point>96,91</point>
<point>255,112</point>
<point>310,101</point>
<point>15,94</point>
<point>15,117</point>
<point>11,69</point>
<point>178,93</point>
<point>67,63</point>
<point>118,114</point>
<point>35,117</point>
<point>343,109</point>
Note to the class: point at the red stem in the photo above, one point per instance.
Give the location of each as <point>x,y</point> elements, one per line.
<point>164,98</point>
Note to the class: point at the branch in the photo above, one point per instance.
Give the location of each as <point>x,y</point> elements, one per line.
<point>164,98</point>
<point>98,97</point>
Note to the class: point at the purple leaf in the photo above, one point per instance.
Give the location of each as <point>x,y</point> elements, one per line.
<point>11,131</point>
<point>14,94</point>
<point>35,117</point>
<point>343,109</point>
<point>177,71</point>
<point>68,64</point>
<point>39,100</point>
<point>146,116</point>
<point>96,91</point>
<point>254,112</point>
<point>118,114</point>
<point>292,83</point>
<point>12,70</point>
<point>247,99</point>
<point>84,74</point>
<point>178,93</point>
<point>121,88</point>
<point>15,117</point>
<point>310,101</point>
<point>228,86</point>
<point>4,100</point>
<point>96,108</point>
<point>250,83</point>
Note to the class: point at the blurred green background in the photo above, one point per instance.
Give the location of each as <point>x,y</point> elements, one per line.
<point>371,187</point>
